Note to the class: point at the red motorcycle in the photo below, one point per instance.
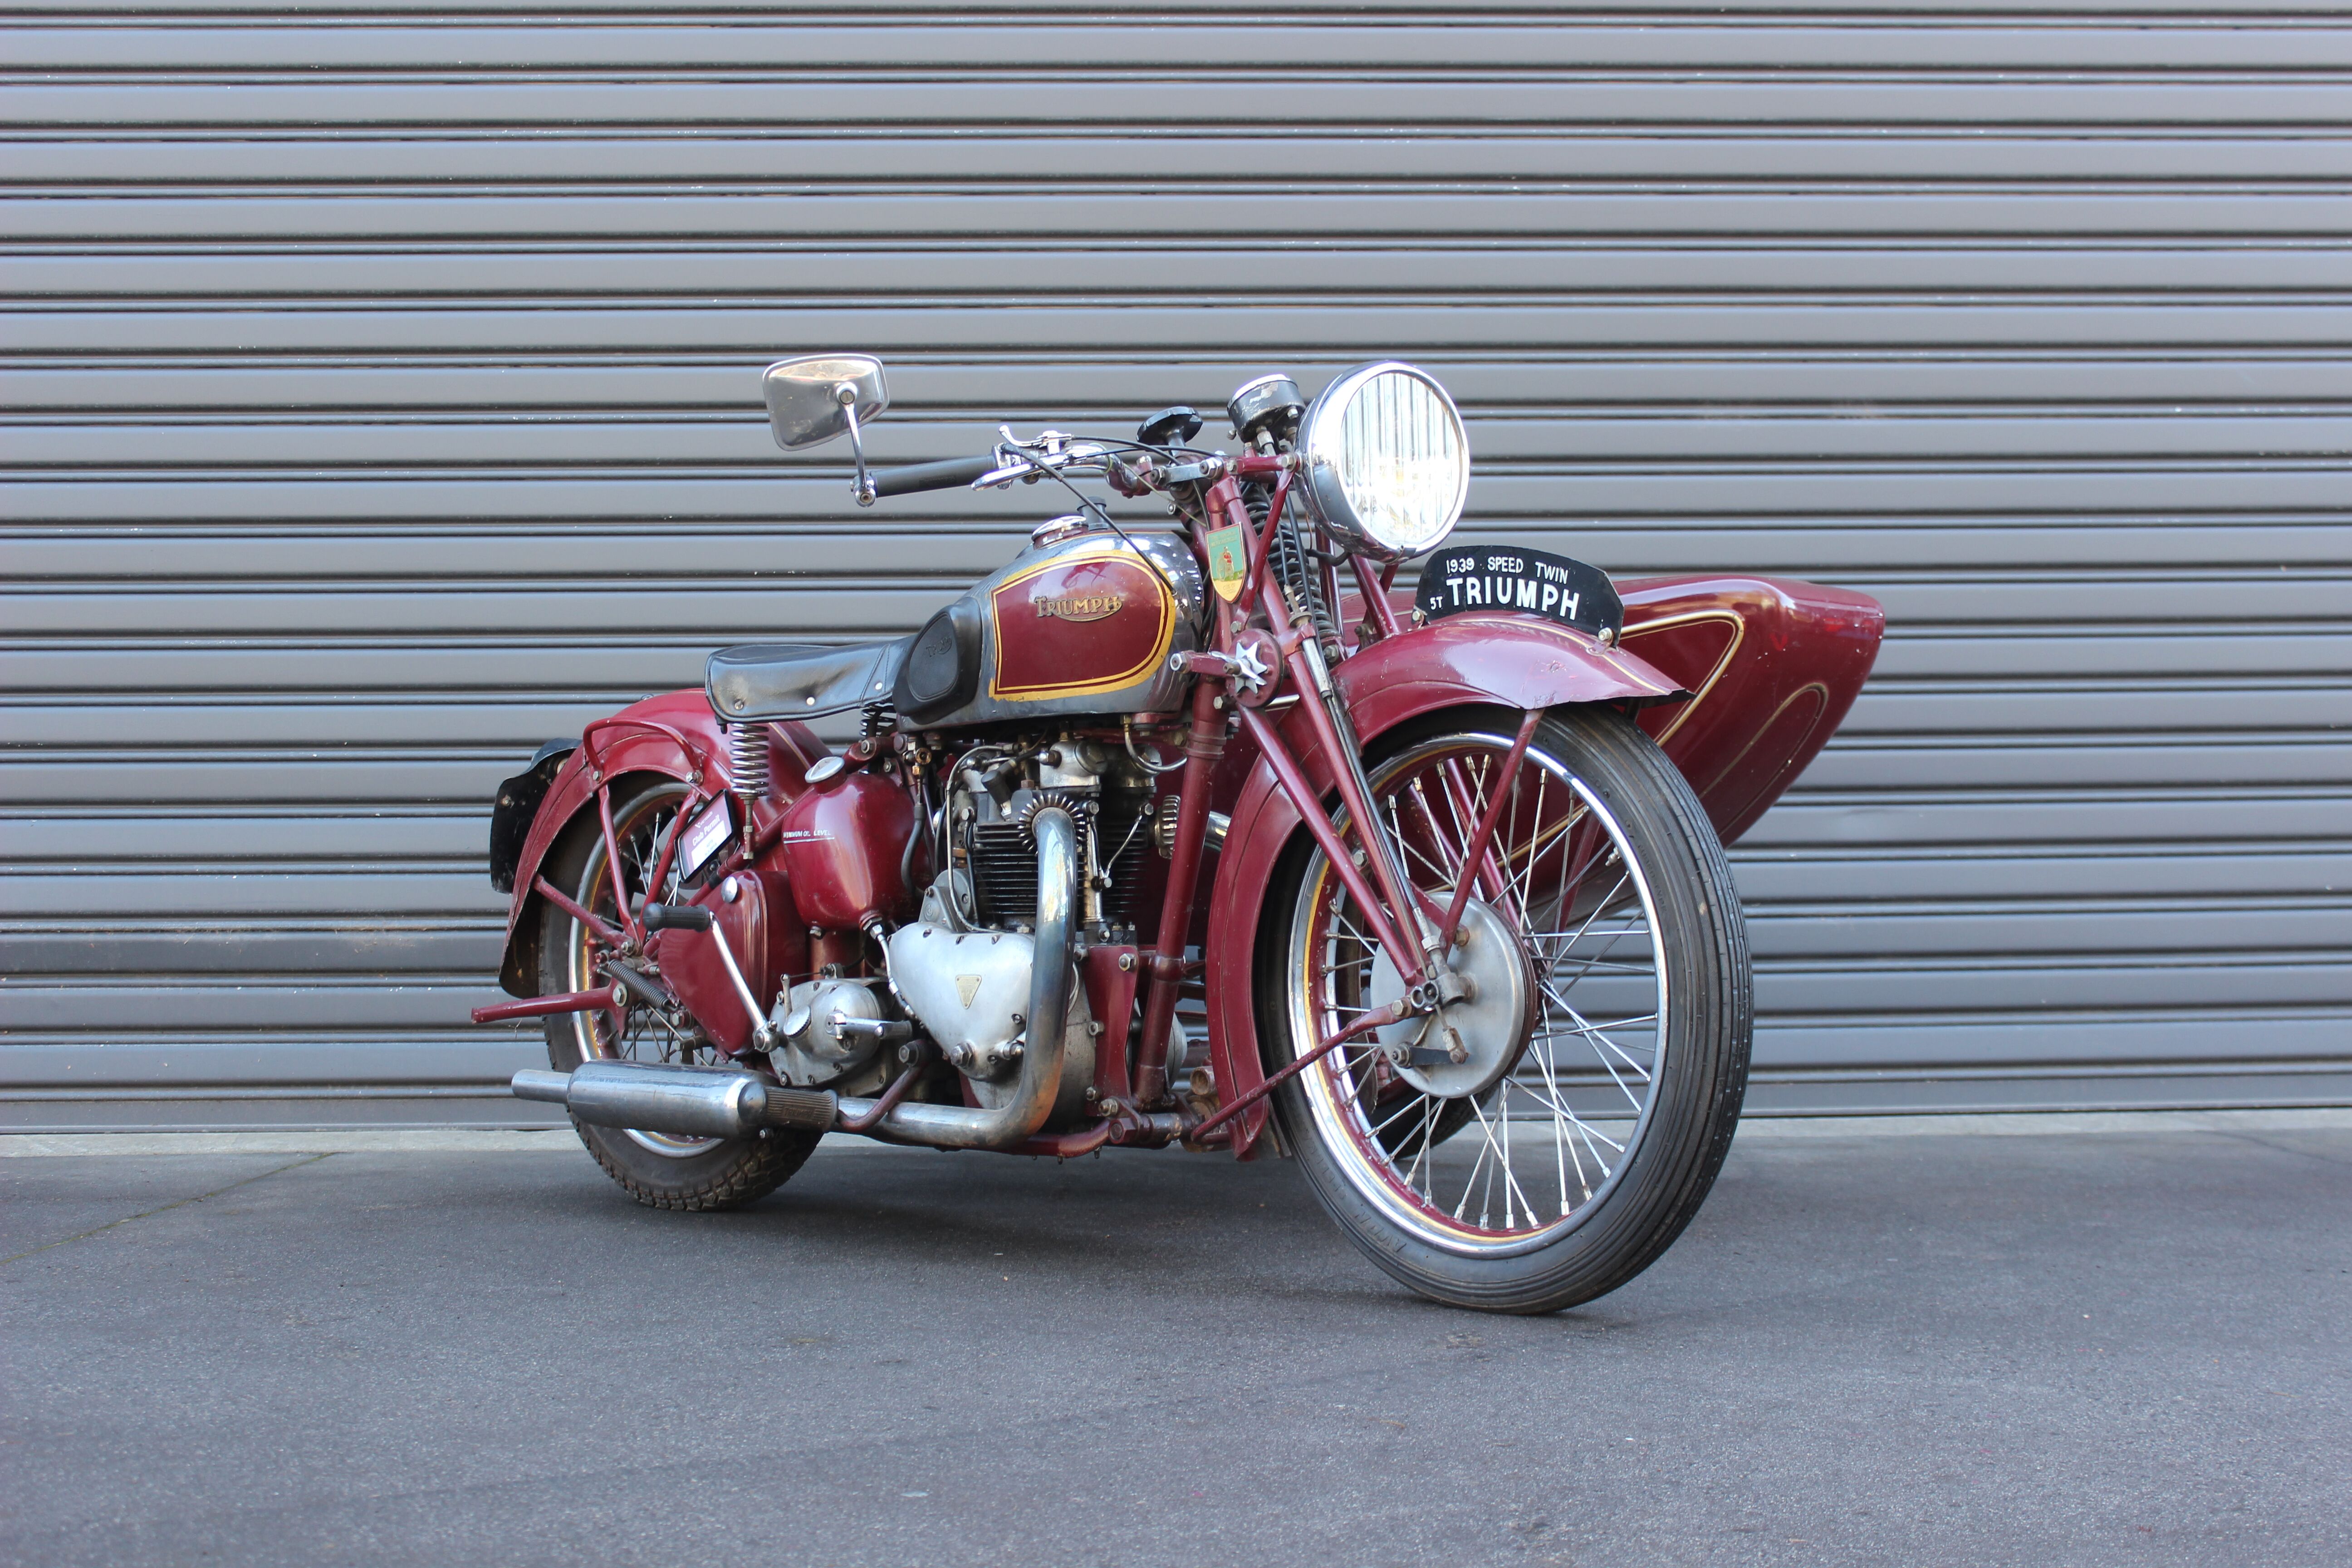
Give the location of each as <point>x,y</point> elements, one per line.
<point>1207,836</point>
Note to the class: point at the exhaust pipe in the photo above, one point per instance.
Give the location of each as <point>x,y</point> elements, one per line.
<point>728,1102</point>
<point>1050,978</point>
<point>688,1102</point>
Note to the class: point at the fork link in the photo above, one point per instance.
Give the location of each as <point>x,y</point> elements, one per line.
<point>1374,834</point>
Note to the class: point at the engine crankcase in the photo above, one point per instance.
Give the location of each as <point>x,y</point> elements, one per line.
<point>969,988</point>
<point>816,1049</point>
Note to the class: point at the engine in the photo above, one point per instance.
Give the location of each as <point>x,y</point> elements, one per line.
<point>989,808</point>
<point>958,972</point>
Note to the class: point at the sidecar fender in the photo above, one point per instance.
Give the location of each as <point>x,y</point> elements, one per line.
<point>1741,681</point>
<point>674,735</point>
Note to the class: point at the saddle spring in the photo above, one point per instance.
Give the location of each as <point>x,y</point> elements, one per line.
<point>747,763</point>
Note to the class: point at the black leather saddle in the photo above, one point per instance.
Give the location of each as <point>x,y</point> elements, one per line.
<point>765,681</point>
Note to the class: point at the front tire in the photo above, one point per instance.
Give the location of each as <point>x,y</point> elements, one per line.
<point>659,1170</point>
<point>1587,1126</point>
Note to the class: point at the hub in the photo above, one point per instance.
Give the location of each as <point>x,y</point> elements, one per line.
<point>1489,1022</point>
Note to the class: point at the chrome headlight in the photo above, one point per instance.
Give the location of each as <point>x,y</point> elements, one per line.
<point>1388,464</point>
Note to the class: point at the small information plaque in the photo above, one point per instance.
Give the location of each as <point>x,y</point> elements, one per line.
<point>1464,578</point>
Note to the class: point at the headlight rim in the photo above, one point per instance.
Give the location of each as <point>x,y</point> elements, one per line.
<point>1326,494</point>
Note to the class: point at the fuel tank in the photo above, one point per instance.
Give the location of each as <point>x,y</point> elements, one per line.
<point>1079,624</point>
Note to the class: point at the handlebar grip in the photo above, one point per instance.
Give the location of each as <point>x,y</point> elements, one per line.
<point>944,476</point>
<point>676,917</point>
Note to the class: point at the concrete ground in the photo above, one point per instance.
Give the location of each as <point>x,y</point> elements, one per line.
<point>2065,1340</point>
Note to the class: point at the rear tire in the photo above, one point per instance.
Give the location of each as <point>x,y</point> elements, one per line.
<point>659,1170</point>
<point>1608,1109</point>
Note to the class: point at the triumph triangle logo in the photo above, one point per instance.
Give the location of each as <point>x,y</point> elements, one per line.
<point>967,987</point>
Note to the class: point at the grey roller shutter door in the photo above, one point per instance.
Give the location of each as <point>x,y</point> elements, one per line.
<point>381,402</point>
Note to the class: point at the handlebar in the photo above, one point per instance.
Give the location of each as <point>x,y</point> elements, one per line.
<point>946,476</point>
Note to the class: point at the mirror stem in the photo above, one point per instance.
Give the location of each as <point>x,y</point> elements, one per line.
<point>863,487</point>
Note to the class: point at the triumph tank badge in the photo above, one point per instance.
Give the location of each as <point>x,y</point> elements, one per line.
<point>967,987</point>
<point>1228,560</point>
<point>1080,607</point>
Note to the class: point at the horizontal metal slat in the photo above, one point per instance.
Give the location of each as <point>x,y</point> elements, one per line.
<point>2231,213</point>
<point>835,609</point>
<point>785,273</point>
<point>2169,923</point>
<point>450,720</point>
<point>2080,1045</point>
<point>968,47</point>
<point>1586,492</point>
<point>1780,935</point>
<point>2120,1039</point>
<point>2009,764</point>
<point>495,555</point>
<point>63,1009</point>
<point>987,156</point>
<point>1279,330</point>
<point>1706,436</point>
<point>377,949</point>
<point>428,664</point>
<point>1740,97</point>
<point>1077,389</point>
<point>115,841</point>
<point>350,889</point>
<point>367,774</point>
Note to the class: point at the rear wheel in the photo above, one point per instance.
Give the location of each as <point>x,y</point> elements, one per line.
<point>660,1170</point>
<point>1603,1052</point>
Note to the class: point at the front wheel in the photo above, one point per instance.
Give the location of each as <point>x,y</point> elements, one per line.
<point>1544,1141</point>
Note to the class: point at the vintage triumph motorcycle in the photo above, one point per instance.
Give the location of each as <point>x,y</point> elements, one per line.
<point>1208,835</point>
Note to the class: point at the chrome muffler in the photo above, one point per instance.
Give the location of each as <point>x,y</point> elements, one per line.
<point>687,1102</point>
<point>728,1102</point>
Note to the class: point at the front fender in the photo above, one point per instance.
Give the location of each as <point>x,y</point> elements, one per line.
<point>1500,659</point>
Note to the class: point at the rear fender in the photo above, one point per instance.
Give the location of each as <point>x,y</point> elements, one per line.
<point>1501,659</point>
<point>674,735</point>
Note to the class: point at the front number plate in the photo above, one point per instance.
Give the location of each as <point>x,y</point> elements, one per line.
<point>1533,582</point>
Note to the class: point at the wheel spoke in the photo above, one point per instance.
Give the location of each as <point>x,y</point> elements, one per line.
<point>1557,851</point>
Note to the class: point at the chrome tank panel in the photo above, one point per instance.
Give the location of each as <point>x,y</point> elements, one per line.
<point>1079,625</point>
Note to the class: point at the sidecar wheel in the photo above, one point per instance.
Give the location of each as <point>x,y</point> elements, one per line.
<point>658,1169</point>
<point>1605,1041</point>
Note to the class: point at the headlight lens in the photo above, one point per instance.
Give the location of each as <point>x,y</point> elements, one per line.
<point>1388,464</point>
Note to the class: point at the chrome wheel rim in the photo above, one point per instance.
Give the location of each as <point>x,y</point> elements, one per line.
<point>637,1033</point>
<point>1526,1162</point>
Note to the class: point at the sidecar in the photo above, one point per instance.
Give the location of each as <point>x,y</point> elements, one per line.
<point>1771,666</point>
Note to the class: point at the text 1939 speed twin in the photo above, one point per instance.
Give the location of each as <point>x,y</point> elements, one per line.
<point>1208,835</point>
